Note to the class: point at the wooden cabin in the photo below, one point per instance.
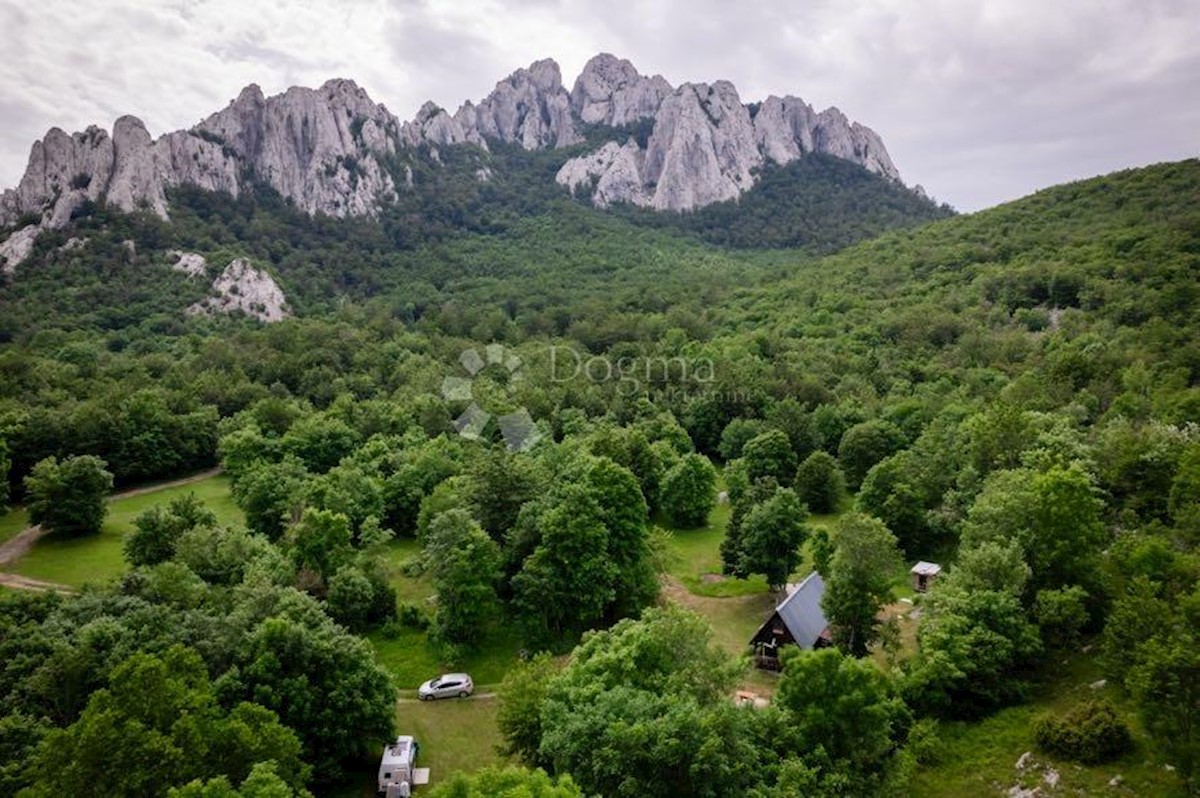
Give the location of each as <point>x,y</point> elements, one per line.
<point>797,620</point>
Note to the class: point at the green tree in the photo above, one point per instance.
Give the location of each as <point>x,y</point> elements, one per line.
<point>975,636</point>
<point>69,497</point>
<point>158,724</point>
<point>263,782</point>
<point>1166,684</point>
<point>1061,615</point>
<point>350,598</point>
<point>864,445</point>
<point>1054,516</point>
<point>772,535</point>
<point>464,561</point>
<point>500,483</point>
<point>566,585</point>
<point>5,467</point>
<point>865,557</point>
<point>663,727</point>
<point>320,542</point>
<point>519,716</point>
<point>323,683</point>
<point>156,531</point>
<point>271,495</point>
<point>770,455</point>
<point>843,705</point>
<point>623,513</point>
<point>320,441</point>
<point>689,491</point>
<point>737,434</point>
<point>819,483</point>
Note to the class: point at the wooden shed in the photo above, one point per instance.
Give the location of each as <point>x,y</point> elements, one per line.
<point>923,574</point>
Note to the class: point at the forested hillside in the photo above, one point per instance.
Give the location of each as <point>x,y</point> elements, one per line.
<point>1011,393</point>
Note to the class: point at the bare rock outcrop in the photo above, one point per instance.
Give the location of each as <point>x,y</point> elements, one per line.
<point>241,286</point>
<point>705,145</point>
<point>433,125</point>
<point>530,107</point>
<point>321,148</point>
<point>610,91</point>
<point>317,147</point>
<point>190,263</point>
<point>331,150</point>
<point>17,247</point>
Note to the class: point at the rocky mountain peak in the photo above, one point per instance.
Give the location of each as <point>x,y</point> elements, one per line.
<point>705,145</point>
<point>325,148</point>
<point>610,91</point>
<point>530,107</point>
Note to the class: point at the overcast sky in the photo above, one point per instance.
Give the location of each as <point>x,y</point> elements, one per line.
<point>980,102</point>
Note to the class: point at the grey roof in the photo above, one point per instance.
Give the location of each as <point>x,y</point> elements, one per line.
<point>801,611</point>
<point>923,568</point>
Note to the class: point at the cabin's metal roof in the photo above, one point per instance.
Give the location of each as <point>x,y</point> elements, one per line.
<point>801,611</point>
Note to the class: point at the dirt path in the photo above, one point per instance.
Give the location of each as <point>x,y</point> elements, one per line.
<point>18,582</point>
<point>16,547</point>
<point>472,697</point>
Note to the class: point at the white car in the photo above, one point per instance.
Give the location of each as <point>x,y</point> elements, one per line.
<point>447,685</point>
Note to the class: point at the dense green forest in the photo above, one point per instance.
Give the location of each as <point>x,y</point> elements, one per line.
<point>1012,393</point>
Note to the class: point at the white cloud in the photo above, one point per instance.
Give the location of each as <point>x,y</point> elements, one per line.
<point>980,102</point>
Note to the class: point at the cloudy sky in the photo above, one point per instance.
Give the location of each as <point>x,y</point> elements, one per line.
<point>980,102</point>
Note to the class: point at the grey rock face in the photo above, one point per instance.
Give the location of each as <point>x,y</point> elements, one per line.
<point>320,148</point>
<point>325,148</point>
<point>610,91</point>
<point>246,288</point>
<point>705,143</point>
<point>434,126</point>
<point>190,263</point>
<point>530,107</point>
<point>17,247</point>
<point>702,149</point>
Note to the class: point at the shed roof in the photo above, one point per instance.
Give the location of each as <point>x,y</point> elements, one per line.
<point>801,611</point>
<point>923,568</point>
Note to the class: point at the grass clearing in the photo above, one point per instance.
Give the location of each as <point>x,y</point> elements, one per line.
<point>13,522</point>
<point>76,561</point>
<point>979,758</point>
<point>410,657</point>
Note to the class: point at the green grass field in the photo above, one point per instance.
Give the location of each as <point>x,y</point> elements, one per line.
<point>411,659</point>
<point>13,522</point>
<point>97,558</point>
<point>979,758</point>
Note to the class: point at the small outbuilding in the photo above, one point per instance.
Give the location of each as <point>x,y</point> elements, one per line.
<point>797,620</point>
<point>923,574</point>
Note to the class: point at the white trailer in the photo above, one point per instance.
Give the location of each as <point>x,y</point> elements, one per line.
<point>398,772</point>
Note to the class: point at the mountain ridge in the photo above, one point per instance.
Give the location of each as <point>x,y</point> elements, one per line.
<point>335,151</point>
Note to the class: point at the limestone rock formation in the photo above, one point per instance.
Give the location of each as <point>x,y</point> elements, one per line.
<point>190,263</point>
<point>610,91</point>
<point>320,148</point>
<point>243,287</point>
<point>705,145</point>
<point>530,107</point>
<point>332,150</point>
<point>17,247</point>
<point>434,126</point>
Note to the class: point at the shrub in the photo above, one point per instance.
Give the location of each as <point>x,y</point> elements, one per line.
<point>1090,733</point>
<point>413,617</point>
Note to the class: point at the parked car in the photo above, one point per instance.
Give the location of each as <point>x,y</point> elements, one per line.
<point>447,685</point>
